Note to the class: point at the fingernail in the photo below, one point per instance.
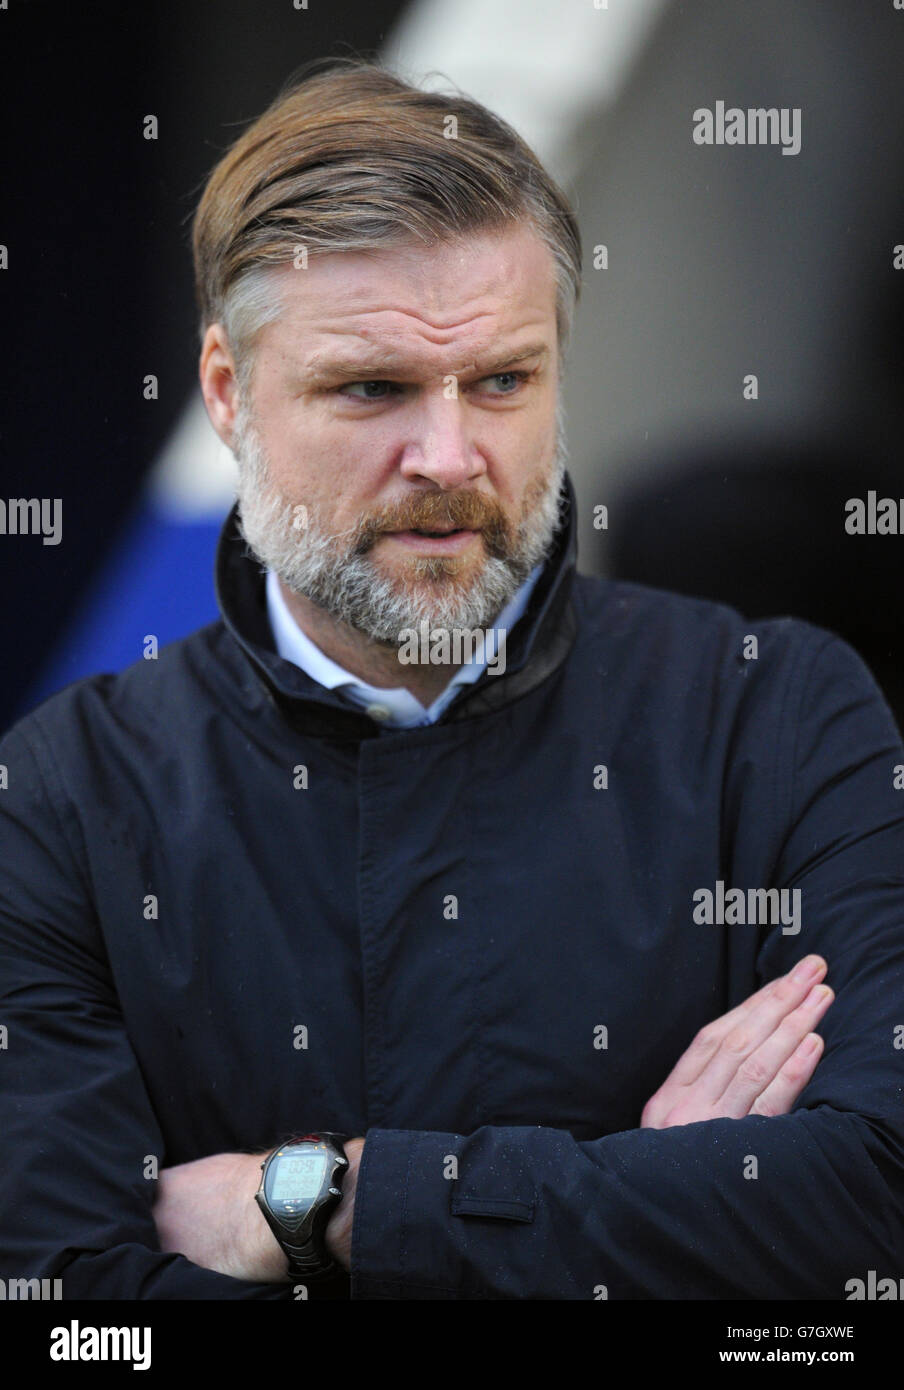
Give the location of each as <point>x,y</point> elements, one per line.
<point>818,995</point>
<point>810,1043</point>
<point>809,966</point>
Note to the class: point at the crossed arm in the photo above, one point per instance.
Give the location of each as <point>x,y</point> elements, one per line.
<point>754,1060</point>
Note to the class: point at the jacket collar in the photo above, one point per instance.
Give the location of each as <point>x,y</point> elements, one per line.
<point>537,645</point>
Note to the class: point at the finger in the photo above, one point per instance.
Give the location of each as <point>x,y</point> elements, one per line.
<point>777,999</point>
<point>780,1095</point>
<point>759,1070</point>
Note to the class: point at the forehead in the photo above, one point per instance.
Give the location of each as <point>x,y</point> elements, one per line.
<point>412,306</point>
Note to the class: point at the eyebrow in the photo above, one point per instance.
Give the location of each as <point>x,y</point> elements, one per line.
<point>377,369</point>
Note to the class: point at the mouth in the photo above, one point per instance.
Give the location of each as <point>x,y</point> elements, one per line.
<point>449,540</point>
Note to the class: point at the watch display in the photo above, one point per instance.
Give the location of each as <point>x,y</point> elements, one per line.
<point>298,1178</point>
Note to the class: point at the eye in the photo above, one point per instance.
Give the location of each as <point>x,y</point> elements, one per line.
<point>513,379</point>
<point>367,395</point>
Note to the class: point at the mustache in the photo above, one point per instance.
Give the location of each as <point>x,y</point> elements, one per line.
<point>435,511</point>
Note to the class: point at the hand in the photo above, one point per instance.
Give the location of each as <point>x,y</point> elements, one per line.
<point>338,1236</point>
<point>206,1211</point>
<point>755,1060</point>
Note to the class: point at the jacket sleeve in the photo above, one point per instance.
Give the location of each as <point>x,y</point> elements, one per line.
<point>75,1118</point>
<point>678,1213</point>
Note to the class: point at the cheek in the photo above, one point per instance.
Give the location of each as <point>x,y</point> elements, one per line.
<point>525,473</point>
<point>298,471</point>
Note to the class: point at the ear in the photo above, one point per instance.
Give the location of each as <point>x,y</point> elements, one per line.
<point>219,385</point>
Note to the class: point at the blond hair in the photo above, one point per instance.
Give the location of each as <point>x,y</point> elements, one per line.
<point>349,157</point>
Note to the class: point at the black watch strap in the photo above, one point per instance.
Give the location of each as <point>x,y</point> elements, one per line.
<point>307,1261</point>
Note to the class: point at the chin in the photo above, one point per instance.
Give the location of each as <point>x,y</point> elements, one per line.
<point>432,574</point>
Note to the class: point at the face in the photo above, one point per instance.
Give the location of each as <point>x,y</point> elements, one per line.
<point>402,392</point>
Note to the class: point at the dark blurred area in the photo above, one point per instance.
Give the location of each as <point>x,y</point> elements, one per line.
<point>766,538</point>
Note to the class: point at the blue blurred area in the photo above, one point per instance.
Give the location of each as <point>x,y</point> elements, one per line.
<point>159,580</point>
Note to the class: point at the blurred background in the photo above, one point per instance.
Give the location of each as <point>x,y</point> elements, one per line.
<point>720,263</point>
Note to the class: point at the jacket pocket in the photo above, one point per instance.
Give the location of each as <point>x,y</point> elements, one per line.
<point>501,1207</point>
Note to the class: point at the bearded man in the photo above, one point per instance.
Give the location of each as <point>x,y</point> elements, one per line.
<point>329,974</point>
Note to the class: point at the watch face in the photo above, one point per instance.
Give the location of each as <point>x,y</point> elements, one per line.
<point>298,1177</point>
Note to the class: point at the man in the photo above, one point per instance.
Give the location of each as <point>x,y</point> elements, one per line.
<point>539,935</point>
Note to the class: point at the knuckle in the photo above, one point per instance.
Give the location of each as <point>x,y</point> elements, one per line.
<point>793,1029</point>
<point>784,990</point>
<point>705,1040</point>
<point>795,1069</point>
<point>797,1023</point>
<point>737,1042</point>
<point>753,1069</point>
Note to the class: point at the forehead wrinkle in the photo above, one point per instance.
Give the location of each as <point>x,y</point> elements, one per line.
<point>433,333</point>
<point>390,351</point>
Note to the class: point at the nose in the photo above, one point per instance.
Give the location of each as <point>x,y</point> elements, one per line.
<point>440,447</point>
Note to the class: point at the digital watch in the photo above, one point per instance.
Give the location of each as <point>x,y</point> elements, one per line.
<point>301,1185</point>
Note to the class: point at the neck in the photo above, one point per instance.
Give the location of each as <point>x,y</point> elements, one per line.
<point>371,662</point>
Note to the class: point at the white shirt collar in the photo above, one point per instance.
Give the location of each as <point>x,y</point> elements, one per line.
<point>395,708</point>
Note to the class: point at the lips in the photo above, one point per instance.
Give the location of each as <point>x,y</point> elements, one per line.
<point>451,540</point>
<point>419,531</point>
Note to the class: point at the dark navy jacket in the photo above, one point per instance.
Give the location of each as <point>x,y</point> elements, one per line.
<point>233,908</point>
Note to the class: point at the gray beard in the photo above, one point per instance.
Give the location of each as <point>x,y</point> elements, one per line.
<point>330,572</point>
